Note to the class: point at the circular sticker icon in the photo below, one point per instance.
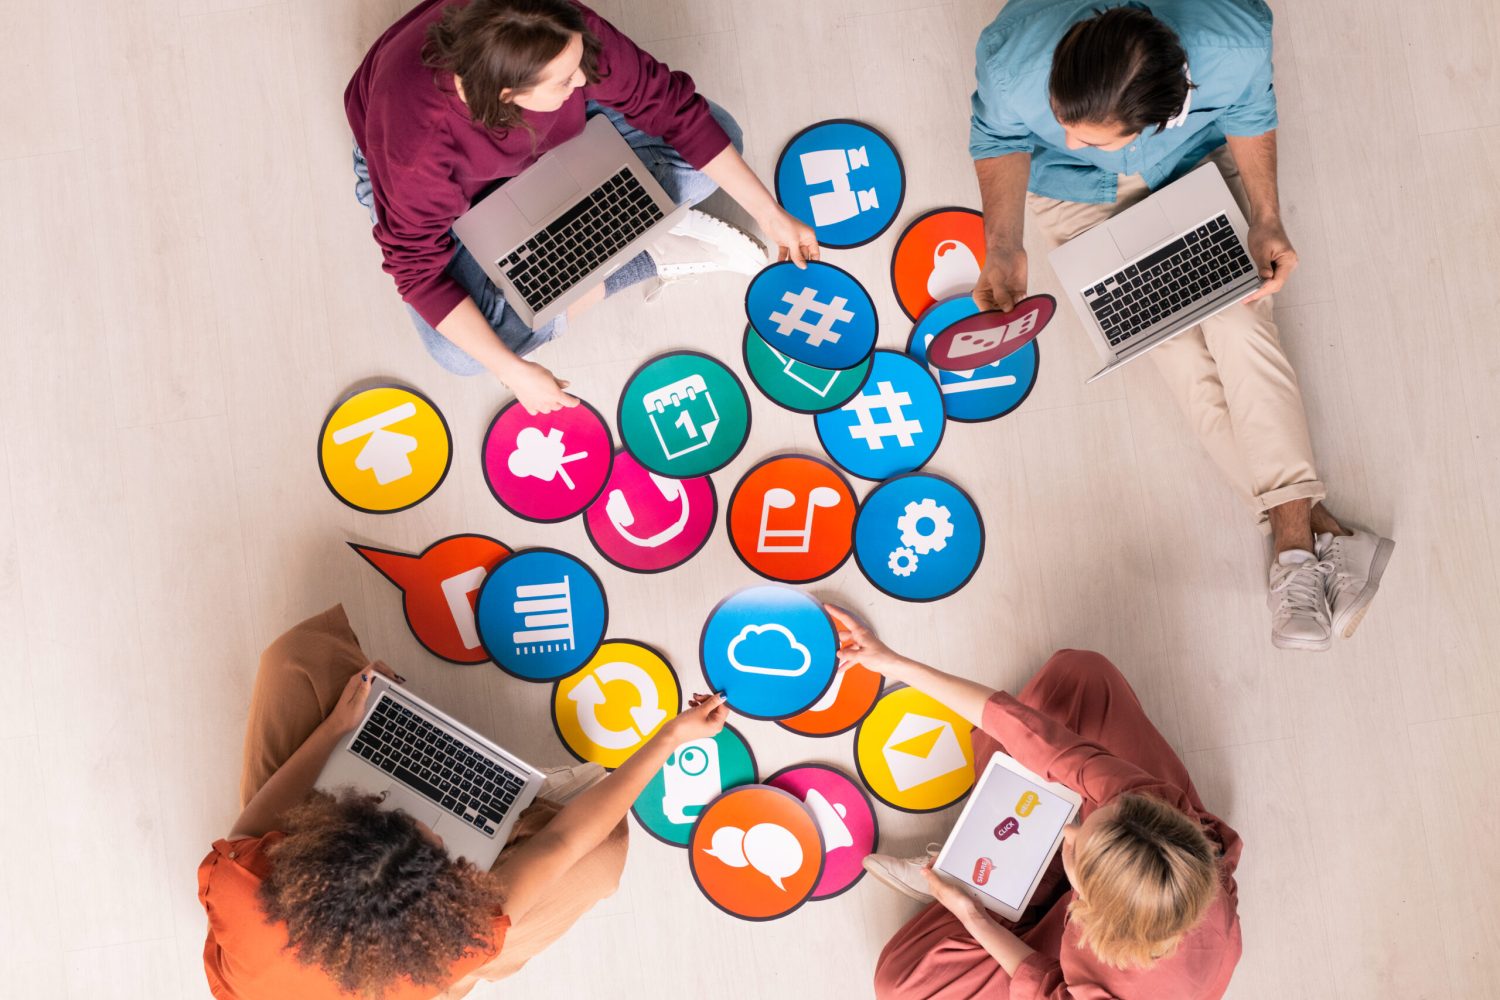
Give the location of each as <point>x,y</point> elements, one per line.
<point>756,853</point>
<point>696,773</point>
<point>918,537</point>
<point>845,817</point>
<point>770,651</point>
<point>792,519</point>
<point>546,466</point>
<point>606,711</point>
<point>848,700</point>
<point>818,314</point>
<point>939,255</point>
<point>974,394</point>
<point>844,179</point>
<point>647,523</point>
<point>986,337</point>
<point>795,385</point>
<point>914,753</point>
<point>684,414</point>
<point>892,425</point>
<point>384,449</point>
<point>438,590</point>
<point>541,614</point>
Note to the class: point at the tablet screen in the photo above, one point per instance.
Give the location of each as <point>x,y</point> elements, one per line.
<point>1006,836</point>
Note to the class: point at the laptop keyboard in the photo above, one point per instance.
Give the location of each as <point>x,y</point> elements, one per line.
<point>579,241</point>
<point>445,769</point>
<point>1168,281</point>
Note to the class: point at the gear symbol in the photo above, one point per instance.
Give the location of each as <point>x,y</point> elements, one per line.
<point>903,562</point>
<point>910,525</point>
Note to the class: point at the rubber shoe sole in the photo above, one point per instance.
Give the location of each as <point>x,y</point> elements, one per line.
<point>1349,620</point>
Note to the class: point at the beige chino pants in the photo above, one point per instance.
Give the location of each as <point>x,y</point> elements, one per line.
<point>1229,374</point>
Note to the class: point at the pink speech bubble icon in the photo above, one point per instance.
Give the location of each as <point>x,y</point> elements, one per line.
<point>1009,827</point>
<point>982,869</point>
<point>1027,802</point>
<point>439,588</point>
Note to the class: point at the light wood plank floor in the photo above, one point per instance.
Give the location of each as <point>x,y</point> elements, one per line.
<point>188,285</point>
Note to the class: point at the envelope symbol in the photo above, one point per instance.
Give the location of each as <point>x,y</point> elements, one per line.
<point>920,749</point>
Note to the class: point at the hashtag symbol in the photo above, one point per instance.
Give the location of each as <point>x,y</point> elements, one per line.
<point>872,432</point>
<point>829,313</point>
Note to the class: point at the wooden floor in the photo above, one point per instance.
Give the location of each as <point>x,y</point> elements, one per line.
<point>188,286</point>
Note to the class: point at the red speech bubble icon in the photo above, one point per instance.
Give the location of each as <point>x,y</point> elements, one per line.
<point>439,588</point>
<point>982,869</point>
<point>986,337</point>
<point>1009,827</point>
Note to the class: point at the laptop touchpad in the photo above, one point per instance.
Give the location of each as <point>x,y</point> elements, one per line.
<point>1140,228</point>
<point>542,189</point>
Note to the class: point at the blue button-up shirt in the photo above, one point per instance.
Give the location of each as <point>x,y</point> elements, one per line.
<point>1228,45</point>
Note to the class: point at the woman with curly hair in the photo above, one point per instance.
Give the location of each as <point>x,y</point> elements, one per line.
<point>1141,900</point>
<point>314,896</point>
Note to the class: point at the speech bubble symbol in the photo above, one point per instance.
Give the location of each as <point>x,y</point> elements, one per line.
<point>769,848</point>
<point>982,869</point>
<point>774,851</point>
<point>728,845</point>
<point>439,588</point>
<point>1027,802</point>
<point>1009,827</point>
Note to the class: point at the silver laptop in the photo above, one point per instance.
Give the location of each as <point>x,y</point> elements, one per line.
<point>1159,267</point>
<point>562,225</point>
<point>463,786</point>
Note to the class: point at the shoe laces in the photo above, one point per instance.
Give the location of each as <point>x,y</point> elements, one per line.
<point>1302,590</point>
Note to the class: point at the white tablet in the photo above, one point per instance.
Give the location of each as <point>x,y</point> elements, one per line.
<point>1006,836</point>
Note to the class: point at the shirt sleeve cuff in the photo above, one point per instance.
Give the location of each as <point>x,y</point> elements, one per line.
<point>1035,977</point>
<point>986,147</point>
<point>435,301</point>
<point>703,143</point>
<point>1249,124</point>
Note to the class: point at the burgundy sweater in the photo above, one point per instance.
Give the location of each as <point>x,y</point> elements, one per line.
<point>428,159</point>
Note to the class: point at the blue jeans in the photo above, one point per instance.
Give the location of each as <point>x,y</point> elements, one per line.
<point>683,184</point>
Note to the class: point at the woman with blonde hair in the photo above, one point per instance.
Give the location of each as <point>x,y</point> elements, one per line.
<point>1141,900</point>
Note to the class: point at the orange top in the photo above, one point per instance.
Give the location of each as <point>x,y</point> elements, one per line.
<point>246,958</point>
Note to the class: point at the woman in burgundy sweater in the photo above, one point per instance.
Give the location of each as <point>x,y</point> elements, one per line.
<point>458,95</point>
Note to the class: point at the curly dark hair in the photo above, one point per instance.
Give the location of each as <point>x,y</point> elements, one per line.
<point>493,45</point>
<point>369,898</point>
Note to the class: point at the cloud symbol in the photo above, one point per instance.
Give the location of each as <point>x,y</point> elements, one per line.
<point>771,649</point>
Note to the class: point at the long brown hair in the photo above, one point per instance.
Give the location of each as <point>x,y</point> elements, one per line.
<point>1145,876</point>
<point>368,898</point>
<point>494,45</point>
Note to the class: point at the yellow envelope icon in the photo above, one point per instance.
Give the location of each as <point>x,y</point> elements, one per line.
<point>921,749</point>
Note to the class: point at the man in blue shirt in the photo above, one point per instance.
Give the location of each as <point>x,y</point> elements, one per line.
<point>1084,107</point>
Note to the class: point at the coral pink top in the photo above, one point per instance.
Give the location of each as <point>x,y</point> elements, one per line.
<point>428,159</point>
<point>1064,969</point>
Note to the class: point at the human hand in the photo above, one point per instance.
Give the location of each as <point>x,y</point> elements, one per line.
<point>959,903</point>
<point>1002,282</point>
<point>795,239</point>
<point>536,388</point>
<point>703,718</point>
<point>859,645</point>
<point>350,708</point>
<point>1274,257</point>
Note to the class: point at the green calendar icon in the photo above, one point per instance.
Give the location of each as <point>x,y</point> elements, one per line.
<point>684,414</point>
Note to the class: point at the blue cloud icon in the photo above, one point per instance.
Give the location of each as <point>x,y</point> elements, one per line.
<point>768,649</point>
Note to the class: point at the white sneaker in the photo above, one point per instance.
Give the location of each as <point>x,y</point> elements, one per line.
<point>563,783</point>
<point>903,874</point>
<point>1299,602</point>
<point>702,244</point>
<point>1357,562</point>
